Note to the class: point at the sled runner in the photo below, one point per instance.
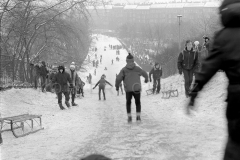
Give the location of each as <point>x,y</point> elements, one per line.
<point>22,125</point>
<point>166,94</point>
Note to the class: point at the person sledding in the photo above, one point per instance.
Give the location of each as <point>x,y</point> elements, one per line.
<point>157,74</point>
<point>61,80</point>
<point>130,75</point>
<point>101,84</point>
<point>75,82</point>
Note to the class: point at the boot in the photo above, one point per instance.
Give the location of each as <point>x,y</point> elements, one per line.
<point>104,98</point>
<point>99,98</point>
<point>61,106</point>
<point>74,104</point>
<point>138,118</point>
<point>67,104</point>
<point>129,119</point>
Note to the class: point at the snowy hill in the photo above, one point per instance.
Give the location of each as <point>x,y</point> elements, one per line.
<point>101,126</point>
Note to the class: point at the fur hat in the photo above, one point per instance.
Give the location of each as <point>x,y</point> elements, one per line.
<point>130,58</point>
<point>61,67</point>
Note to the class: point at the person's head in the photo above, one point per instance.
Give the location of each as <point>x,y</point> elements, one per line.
<point>230,15</point>
<point>103,76</point>
<point>96,157</point>
<point>61,69</point>
<point>188,45</point>
<point>72,66</point>
<point>130,58</point>
<point>157,65</point>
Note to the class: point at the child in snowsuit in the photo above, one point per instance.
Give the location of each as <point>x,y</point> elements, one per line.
<point>130,75</point>
<point>224,55</point>
<point>102,83</point>
<point>157,74</point>
<point>120,85</point>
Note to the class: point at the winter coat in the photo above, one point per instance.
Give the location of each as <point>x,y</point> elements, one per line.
<point>225,55</point>
<point>75,78</point>
<point>43,70</point>
<point>156,72</point>
<point>188,60</point>
<point>102,83</point>
<point>130,75</point>
<point>62,80</point>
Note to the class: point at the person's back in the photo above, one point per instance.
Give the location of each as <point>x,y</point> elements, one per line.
<point>225,55</point>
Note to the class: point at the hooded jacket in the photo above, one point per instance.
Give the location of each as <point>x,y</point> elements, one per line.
<point>130,75</point>
<point>225,54</point>
<point>62,80</point>
<point>43,70</point>
<point>188,60</point>
<point>102,83</point>
<point>156,72</point>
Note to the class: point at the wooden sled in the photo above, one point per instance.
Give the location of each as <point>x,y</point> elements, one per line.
<point>166,94</point>
<point>22,125</point>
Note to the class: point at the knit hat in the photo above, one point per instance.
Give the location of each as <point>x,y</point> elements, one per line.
<point>72,66</point>
<point>130,58</point>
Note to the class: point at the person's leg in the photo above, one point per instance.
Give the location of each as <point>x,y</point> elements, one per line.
<point>59,96</point>
<point>103,90</point>
<point>158,85</point>
<point>73,94</point>
<point>35,81</point>
<point>128,105</point>
<point>137,97</point>
<point>66,94</point>
<point>43,81</point>
<point>154,85</point>
<point>99,93</point>
<point>186,79</point>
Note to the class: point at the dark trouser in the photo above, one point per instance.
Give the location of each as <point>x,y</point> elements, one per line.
<point>43,82</point>
<point>99,92</point>
<point>36,80</point>
<point>188,77</point>
<point>121,90</point>
<point>1,141</point>
<point>81,91</point>
<point>59,94</point>
<point>156,84</point>
<point>137,96</point>
<point>73,94</point>
<point>232,151</point>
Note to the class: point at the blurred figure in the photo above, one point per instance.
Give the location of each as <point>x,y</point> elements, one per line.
<point>225,55</point>
<point>43,75</point>
<point>102,83</point>
<point>75,82</point>
<point>120,86</point>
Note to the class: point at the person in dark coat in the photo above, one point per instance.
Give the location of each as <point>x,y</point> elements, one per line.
<point>206,44</point>
<point>188,65</point>
<point>120,86</point>
<point>43,74</point>
<point>102,83</point>
<point>130,75</point>
<point>157,74</point>
<point>225,55</point>
<point>61,81</point>
<point>36,75</point>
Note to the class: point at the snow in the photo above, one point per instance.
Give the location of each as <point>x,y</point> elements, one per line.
<point>165,132</point>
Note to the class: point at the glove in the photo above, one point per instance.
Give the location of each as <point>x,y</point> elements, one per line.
<point>93,87</point>
<point>180,72</point>
<point>117,89</point>
<point>146,81</point>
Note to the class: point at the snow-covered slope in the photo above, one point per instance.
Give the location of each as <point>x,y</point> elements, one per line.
<point>96,126</point>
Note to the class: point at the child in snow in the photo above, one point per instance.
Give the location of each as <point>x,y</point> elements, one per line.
<point>157,74</point>
<point>102,83</point>
<point>105,68</point>
<point>130,75</point>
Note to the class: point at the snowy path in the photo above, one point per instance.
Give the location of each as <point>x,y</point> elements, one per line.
<point>165,132</point>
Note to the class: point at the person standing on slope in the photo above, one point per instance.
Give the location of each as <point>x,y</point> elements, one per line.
<point>225,55</point>
<point>157,74</point>
<point>102,83</point>
<point>188,64</point>
<point>130,75</point>
<point>75,82</point>
<point>120,85</point>
<point>61,80</point>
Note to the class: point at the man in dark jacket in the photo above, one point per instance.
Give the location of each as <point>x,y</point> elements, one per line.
<point>157,74</point>
<point>188,64</point>
<point>130,75</point>
<point>43,74</point>
<point>61,80</point>
<point>225,55</point>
